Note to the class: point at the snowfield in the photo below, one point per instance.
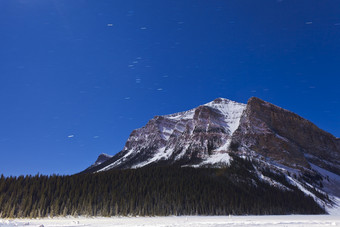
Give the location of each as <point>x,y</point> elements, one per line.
<point>199,221</point>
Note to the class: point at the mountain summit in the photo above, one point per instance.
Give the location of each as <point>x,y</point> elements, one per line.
<point>205,136</point>
<point>197,137</point>
<point>214,134</point>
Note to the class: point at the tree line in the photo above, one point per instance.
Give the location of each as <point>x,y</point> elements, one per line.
<point>151,191</point>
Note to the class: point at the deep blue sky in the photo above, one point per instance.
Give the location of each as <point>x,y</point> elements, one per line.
<point>76,77</point>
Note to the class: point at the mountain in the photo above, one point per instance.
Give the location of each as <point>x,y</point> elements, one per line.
<point>277,141</point>
<point>220,158</point>
<point>197,137</point>
<point>101,158</point>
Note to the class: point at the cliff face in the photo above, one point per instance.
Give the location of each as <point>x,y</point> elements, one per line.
<point>285,137</point>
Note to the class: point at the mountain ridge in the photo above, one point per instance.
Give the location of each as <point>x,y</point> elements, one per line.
<point>213,134</point>
<point>185,126</point>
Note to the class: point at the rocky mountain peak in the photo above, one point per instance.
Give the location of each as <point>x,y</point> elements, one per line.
<point>205,133</point>
<point>220,101</point>
<point>101,159</point>
<point>199,136</point>
<point>218,133</point>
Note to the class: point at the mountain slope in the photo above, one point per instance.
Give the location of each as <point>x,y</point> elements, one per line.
<point>197,137</point>
<point>286,137</point>
<point>283,146</point>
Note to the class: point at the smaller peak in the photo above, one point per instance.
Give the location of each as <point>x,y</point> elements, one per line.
<point>101,158</point>
<point>105,155</point>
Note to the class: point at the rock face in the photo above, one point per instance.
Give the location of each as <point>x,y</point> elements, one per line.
<point>285,137</point>
<point>197,137</point>
<point>206,135</point>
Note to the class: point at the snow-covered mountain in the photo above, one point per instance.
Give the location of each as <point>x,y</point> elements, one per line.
<point>274,139</point>
<point>197,137</point>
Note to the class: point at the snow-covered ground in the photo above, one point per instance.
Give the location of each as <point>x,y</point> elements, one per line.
<point>199,221</point>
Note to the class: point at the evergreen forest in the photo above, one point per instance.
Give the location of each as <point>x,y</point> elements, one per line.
<point>152,191</point>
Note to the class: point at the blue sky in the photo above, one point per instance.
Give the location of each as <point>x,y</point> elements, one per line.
<point>76,77</point>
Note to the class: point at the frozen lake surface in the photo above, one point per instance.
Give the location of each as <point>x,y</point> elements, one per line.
<point>199,221</point>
